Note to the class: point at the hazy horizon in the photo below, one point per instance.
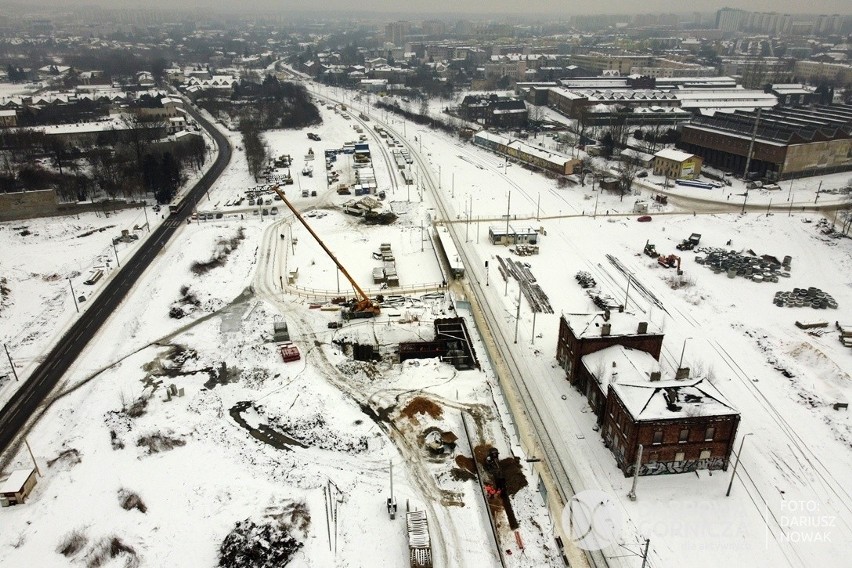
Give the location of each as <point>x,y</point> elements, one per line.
<point>445,7</point>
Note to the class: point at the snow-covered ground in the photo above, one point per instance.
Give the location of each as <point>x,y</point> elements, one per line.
<point>231,447</point>
<point>39,257</point>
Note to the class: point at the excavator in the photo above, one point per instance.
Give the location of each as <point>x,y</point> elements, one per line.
<point>363,306</point>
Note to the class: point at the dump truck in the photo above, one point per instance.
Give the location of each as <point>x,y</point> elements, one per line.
<point>690,243</point>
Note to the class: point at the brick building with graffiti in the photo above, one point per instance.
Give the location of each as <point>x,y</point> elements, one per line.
<point>683,423</point>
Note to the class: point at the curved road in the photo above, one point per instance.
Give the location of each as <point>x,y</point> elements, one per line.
<point>24,403</point>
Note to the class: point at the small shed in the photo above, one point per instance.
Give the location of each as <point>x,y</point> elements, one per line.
<point>280,332</point>
<point>16,489</point>
<point>500,236</point>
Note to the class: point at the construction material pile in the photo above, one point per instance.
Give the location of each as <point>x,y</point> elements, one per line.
<point>805,298</point>
<point>763,268</point>
<point>585,279</point>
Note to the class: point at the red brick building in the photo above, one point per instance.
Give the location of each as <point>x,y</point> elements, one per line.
<point>682,426</point>
<point>582,334</point>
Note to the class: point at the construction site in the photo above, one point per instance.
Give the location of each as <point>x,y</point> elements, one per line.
<point>388,393</point>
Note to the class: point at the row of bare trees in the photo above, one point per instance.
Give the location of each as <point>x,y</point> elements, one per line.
<point>128,163</point>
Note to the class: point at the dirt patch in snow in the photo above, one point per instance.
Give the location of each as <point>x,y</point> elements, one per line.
<point>108,548</point>
<point>159,442</point>
<point>421,405</point>
<point>66,458</point>
<point>511,468</point>
<point>224,248</point>
<point>130,500</point>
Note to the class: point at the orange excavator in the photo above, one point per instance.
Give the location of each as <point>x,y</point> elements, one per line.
<point>669,261</point>
<point>363,306</point>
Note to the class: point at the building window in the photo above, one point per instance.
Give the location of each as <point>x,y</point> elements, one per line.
<point>658,437</point>
<point>709,433</point>
<point>705,455</point>
<point>684,436</point>
<point>679,457</point>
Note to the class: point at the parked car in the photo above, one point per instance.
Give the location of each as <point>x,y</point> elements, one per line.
<point>274,211</point>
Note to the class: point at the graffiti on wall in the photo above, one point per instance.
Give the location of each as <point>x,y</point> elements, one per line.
<point>661,468</point>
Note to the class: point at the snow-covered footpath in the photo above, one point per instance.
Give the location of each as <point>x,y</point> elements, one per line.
<point>153,476</point>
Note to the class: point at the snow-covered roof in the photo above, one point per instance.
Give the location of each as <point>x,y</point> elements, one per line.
<point>16,481</point>
<point>663,400</point>
<point>618,364</point>
<point>621,323</point>
<point>672,154</point>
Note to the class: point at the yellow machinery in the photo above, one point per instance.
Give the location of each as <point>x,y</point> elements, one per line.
<point>363,307</point>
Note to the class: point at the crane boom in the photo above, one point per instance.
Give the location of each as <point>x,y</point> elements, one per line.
<point>364,302</point>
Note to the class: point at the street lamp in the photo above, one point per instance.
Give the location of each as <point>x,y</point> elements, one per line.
<point>682,352</point>
<point>739,457</point>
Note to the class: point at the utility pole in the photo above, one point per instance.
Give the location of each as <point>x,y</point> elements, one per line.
<point>632,493</point>
<point>538,208</point>
<point>751,148</point>
<point>15,373</point>
<point>115,250</point>
<point>518,313</point>
<point>35,463</point>
<point>486,283</point>
<point>74,296</point>
<point>508,213</point>
<point>682,351</point>
<point>739,458</point>
<point>145,210</point>
<point>532,341</point>
<point>645,554</point>
<point>421,236</point>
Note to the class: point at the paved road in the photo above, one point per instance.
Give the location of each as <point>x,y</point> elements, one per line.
<point>24,403</point>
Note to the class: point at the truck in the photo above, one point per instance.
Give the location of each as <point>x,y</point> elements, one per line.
<point>690,243</point>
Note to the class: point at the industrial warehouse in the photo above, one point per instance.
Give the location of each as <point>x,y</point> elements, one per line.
<point>787,142</point>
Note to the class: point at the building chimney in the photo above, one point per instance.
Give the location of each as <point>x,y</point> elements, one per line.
<point>655,376</point>
<point>606,314</point>
<point>605,329</point>
<point>643,328</point>
<point>682,374</point>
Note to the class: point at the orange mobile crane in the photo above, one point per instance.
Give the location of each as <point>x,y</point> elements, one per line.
<point>363,306</point>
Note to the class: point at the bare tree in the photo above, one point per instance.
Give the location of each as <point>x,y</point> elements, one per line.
<point>627,171</point>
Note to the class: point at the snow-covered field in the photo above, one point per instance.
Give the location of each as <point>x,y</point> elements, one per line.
<point>311,442</point>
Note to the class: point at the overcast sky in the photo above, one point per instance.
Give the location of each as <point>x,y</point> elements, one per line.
<point>486,7</point>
